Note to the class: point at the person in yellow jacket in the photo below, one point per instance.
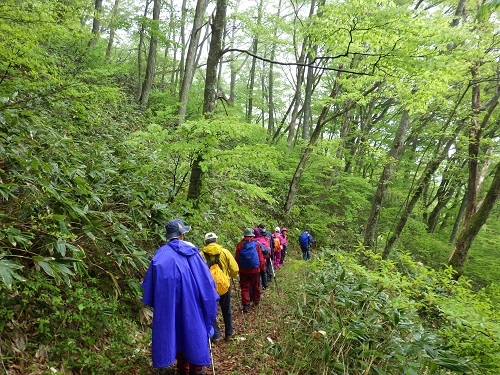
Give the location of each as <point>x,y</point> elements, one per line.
<point>228,265</point>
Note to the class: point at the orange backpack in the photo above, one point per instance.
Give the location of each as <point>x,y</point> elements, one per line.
<point>277,244</point>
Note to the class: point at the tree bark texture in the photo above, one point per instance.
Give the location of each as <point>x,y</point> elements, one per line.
<point>473,224</point>
<point>139,53</point>
<point>112,28</point>
<point>210,93</point>
<point>189,67</point>
<point>251,83</point>
<point>430,169</point>
<point>151,63</point>
<point>393,158</point>
<point>96,23</point>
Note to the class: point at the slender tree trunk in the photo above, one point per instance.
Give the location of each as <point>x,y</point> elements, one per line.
<point>210,93</point>
<point>393,158</point>
<point>232,64</point>
<point>430,169</point>
<point>458,219</point>
<point>251,83</point>
<point>112,28</point>
<point>139,52</point>
<point>306,118</point>
<point>151,64</point>
<point>190,66</point>
<point>474,139</point>
<point>473,224</point>
<point>296,101</point>
<point>445,192</point>
<point>182,60</point>
<point>96,23</point>
<point>344,130</point>
<point>306,153</point>
<point>271,79</point>
<point>214,55</point>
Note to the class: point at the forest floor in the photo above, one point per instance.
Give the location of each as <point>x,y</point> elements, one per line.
<point>255,346</point>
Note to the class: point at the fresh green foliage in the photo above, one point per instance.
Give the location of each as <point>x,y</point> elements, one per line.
<point>79,329</point>
<point>88,180</point>
<point>388,319</point>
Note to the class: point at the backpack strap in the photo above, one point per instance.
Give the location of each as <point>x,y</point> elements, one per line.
<point>210,262</point>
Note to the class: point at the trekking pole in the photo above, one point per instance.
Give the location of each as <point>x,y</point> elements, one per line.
<point>274,277</point>
<point>211,355</point>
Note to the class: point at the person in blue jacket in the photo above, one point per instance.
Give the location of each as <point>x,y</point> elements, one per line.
<point>305,241</point>
<point>180,289</point>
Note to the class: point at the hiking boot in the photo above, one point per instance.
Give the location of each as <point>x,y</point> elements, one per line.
<point>229,337</point>
<point>256,303</point>
<point>246,308</point>
<point>215,339</point>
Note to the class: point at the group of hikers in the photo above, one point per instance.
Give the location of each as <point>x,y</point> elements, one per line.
<point>183,286</point>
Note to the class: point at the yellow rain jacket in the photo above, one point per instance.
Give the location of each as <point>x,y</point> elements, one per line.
<point>226,260</point>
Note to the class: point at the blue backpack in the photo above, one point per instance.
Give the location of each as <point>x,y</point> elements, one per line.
<point>248,258</point>
<point>304,239</point>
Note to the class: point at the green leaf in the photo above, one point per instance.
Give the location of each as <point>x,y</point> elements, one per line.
<point>7,272</point>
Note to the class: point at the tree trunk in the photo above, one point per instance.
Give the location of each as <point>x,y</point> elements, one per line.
<point>182,60</point>
<point>112,29</point>
<point>151,64</point>
<point>344,130</point>
<point>96,23</point>
<point>306,112</point>
<point>296,100</point>
<point>458,219</point>
<point>139,52</point>
<point>430,169</point>
<point>189,68</point>
<point>210,92</point>
<point>474,139</point>
<point>445,192</point>
<point>393,157</point>
<point>473,224</point>
<point>306,153</point>
<point>271,80</point>
<point>251,82</point>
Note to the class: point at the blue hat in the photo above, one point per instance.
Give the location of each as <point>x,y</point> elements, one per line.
<point>175,228</point>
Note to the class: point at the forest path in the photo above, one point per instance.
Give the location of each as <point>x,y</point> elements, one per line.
<point>255,347</point>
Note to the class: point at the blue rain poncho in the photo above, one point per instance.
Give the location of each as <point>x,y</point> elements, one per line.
<point>180,289</point>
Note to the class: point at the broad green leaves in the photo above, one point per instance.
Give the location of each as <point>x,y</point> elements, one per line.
<point>8,271</point>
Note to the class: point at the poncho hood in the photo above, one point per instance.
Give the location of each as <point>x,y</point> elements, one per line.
<point>212,249</point>
<point>184,248</point>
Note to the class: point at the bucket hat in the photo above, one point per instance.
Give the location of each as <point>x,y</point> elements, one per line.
<point>175,228</point>
<point>248,232</point>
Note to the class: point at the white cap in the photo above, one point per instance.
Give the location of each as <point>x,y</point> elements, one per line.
<point>210,236</point>
<point>277,229</point>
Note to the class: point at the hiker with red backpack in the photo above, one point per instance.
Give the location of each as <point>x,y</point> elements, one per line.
<point>277,247</point>
<point>250,262</point>
<point>216,255</point>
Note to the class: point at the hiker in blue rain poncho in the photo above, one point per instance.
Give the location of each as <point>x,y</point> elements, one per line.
<point>181,290</point>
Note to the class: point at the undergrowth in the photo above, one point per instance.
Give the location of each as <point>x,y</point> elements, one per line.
<point>384,318</point>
